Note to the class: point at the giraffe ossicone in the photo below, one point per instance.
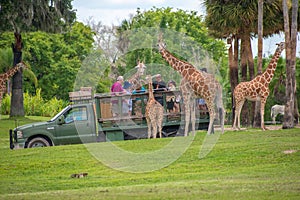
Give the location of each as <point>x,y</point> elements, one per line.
<point>256,90</point>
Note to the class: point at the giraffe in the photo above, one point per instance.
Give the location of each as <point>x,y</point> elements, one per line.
<point>257,89</point>
<point>154,112</point>
<point>201,84</point>
<point>135,79</point>
<point>6,76</point>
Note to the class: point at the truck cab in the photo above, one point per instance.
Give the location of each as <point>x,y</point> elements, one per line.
<point>73,125</point>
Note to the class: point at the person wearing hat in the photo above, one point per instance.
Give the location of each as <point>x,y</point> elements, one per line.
<point>172,100</point>
<point>116,89</point>
<point>159,85</point>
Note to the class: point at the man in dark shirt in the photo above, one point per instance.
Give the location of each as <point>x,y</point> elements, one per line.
<point>159,85</point>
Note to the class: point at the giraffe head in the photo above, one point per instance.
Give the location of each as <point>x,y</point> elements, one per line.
<point>281,46</point>
<point>140,68</point>
<point>161,44</point>
<point>21,66</point>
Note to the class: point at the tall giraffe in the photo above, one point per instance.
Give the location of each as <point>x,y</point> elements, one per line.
<point>257,89</point>
<point>202,84</point>
<point>135,79</point>
<point>6,76</point>
<point>154,112</point>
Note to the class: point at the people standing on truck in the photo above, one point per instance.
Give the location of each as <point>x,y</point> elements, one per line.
<point>116,90</point>
<point>172,100</point>
<point>158,86</point>
<point>127,102</point>
<point>138,101</point>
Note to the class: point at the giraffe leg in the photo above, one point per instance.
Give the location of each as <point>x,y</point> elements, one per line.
<point>262,113</point>
<point>239,116</point>
<point>187,112</point>
<point>235,115</point>
<point>237,120</point>
<point>149,127</point>
<point>211,110</point>
<point>160,129</point>
<point>154,130</point>
<point>240,106</point>
<point>193,115</point>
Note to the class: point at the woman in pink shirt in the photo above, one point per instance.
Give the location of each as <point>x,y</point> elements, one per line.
<point>117,89</point>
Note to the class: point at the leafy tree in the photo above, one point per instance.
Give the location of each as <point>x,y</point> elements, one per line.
<point>55,58</point>
<point>24,15</point>
<point>184,33</point>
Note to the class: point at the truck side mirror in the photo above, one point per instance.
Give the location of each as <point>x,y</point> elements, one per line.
<point>61,120</point>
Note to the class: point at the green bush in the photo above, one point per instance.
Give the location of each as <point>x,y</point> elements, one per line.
<point>53,106</point>
<point>35,105</point>
<point>5,108</point>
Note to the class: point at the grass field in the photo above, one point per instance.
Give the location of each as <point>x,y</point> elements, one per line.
<point>249,164</point>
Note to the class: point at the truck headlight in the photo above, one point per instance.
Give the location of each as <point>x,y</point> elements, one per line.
<point>19,134</point>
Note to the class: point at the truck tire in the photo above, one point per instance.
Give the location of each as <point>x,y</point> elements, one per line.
<point>38,142</point>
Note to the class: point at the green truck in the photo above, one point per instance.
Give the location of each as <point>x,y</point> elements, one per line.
<point>90,119</point>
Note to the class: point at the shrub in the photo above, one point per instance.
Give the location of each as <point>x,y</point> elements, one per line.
<point>5,108</point>
<point>35,105</point>
<point>53,106</point>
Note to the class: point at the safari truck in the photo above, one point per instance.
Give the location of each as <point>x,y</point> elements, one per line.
<point>89,118</point>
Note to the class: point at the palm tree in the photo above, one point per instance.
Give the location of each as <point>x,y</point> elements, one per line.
<point>257,116</point>
<point>291,111</point>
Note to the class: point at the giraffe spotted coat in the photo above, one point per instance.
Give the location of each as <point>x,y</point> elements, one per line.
<point>6,76</point>
<point>154,112</point>
<point>196,84</point>
<point>256,90</point>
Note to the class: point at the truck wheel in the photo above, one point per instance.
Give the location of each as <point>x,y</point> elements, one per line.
<point>38,142</point>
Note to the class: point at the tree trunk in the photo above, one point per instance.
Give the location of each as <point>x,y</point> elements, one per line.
<point>290,42</point>
<point>256,107</point>
<point>294,28</point>
<point>250,64</point>
<point>233,70</point>
<point>245,120</point>
<point>17,104</point>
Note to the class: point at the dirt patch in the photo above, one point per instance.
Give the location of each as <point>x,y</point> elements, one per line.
<point>289,151</point>
<point>273,127</point>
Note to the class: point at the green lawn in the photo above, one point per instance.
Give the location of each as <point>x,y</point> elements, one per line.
<point>249,164</point>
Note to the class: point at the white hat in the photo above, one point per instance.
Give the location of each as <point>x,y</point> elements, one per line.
<point>120,78</point>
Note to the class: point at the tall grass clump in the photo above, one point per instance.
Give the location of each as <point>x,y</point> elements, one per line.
<point>53,106</point>
<point>5,108</point>
<point>36,105</point>
<point>33,105</point>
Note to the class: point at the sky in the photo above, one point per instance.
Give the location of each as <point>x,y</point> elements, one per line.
<point>115,11</point>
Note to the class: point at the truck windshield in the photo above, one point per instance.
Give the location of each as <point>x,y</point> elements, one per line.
<point>59,114</point>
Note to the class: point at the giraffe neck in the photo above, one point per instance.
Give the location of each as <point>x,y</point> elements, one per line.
<point>10,73</point>
<point>150,88</point>
<point>176,63</point>
<point>269,72</point>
